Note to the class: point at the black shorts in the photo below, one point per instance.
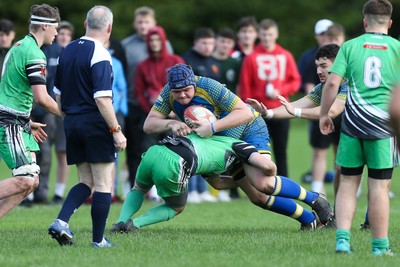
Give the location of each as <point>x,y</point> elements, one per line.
<point>88,139</point>
<point>318,140</point>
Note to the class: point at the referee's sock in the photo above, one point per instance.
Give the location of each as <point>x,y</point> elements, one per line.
<point>154,215</point>
<point>76,197</point>
<point>290,208</point>
<point>100,209</point>
<point>133,202</point>
<point>285,187</point>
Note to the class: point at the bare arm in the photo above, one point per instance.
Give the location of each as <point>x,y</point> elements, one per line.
<point>329,93</point>
<point>157,123</point>
<point>44,99</point>
<point>107,111</point>
<point>58,100</point>
<point>240,115</point>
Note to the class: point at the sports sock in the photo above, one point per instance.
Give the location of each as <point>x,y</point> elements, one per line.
<point>317,186</point>
<point>290,208</point>
<point>156,214</point>
<point>133,202</point>
<point>100,209</point>
<point>380,243</point>
<point>76,196</point>
<point>59,189</point>
<point>285,187</point>
<point>343,234</point>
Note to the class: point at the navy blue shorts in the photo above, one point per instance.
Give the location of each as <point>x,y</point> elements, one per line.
<point>88,139</point>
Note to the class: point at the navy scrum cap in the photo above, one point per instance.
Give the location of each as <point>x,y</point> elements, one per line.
<point>181,76</point>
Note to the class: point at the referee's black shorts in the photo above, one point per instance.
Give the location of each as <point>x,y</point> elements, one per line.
<point>88,139</point>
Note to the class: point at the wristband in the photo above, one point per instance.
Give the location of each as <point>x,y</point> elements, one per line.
<point>270,114</point>
<point>212,128</point>
<point>297,112</point>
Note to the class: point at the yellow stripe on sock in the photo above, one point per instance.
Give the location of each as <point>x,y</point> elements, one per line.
<point>299,211</point>
<point>303,193</point>
<point>278,186</point>
<point>270,202</point>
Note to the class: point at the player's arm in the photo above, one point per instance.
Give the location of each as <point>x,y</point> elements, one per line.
<point>157,123</point>
<point>221,182</point>
<point>286,111</point>
<point>41,97</point>
<point>329,93</point>
<point>240,115</point>
<point>106,109</point>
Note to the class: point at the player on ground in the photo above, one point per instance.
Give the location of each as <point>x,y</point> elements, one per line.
<point>24,81</point>
<point>235,120</point>
<point>185,156</point>
<point>369,62</point>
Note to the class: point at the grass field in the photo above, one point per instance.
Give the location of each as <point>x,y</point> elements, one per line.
<point>219,234</point>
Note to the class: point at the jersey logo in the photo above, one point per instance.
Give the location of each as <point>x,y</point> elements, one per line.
<point>375,46</point>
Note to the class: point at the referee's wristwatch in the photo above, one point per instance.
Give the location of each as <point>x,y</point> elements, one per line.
<point>116,129</point>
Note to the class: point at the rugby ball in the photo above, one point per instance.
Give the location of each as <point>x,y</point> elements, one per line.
<point>198,113</point>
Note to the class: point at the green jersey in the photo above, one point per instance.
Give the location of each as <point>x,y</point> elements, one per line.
<point>24,66</point>
<point>369,62</point>
<point>214,154</point>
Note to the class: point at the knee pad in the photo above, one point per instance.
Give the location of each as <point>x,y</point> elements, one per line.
<point>27,170</point>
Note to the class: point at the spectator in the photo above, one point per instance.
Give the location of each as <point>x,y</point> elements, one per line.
<point>136,51</point>
<point>7,35</point>
<point>271,70</point>
<point>247,36</point>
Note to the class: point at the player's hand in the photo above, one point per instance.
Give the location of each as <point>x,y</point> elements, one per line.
<point>259,107</point>
<point>37,131</point>
<point>203,128</point>
<point>179,128</point>
<point>119,140</point>
<point>326,125</point>
<point>286,104</point>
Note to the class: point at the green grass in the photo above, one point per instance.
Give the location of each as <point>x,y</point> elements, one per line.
<point>220,234</point>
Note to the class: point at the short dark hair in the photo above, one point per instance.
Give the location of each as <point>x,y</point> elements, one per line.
<point>203,32</point>
<point>226,33</point>
<point>247,22</point>
<point>6,26</point>
<point>378,11</point>
<point>329,51</point>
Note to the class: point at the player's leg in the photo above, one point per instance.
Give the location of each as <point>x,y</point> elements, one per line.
<point>16,149</point>
<point>320,144</point>
<point>15,189</point>
<point>102,178</point>
<point>380,161</point>
<point>351,172</point>
<point>283,206</point>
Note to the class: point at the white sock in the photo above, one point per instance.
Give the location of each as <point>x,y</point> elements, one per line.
<point>317,186</point>
<point>59,189</point>
<point>63,224</point>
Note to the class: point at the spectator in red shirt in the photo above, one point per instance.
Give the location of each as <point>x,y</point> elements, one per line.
<point>267,72</point>
<point>151,74</point>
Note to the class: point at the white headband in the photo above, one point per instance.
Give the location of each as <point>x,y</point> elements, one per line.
<point>43,21</point>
